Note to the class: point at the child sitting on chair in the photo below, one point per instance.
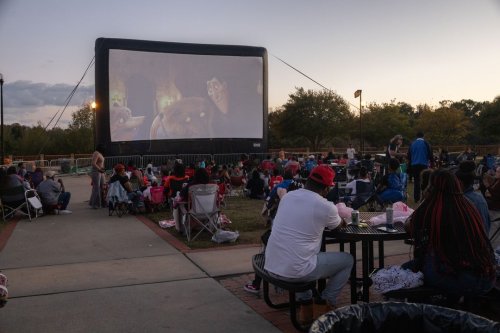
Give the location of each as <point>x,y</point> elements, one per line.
<point>390,190</point>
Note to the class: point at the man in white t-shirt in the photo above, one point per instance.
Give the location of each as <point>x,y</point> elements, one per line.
<point>350,152</point>
<point>293,250</point>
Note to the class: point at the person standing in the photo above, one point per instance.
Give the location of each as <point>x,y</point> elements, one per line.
<point>392,150</point>
<point>419,158</point>
<point>351,152</point>
<point>96,199</point>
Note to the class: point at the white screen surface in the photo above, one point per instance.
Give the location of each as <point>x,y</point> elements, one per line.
<point>158,96</point>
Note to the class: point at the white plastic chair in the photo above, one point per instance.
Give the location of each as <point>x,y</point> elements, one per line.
<point>33,203</point>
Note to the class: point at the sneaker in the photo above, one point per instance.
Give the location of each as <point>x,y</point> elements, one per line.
<point>251,288</point>
<point>65,211</point>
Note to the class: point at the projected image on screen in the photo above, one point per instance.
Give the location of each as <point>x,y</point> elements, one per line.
<point>158,96</point>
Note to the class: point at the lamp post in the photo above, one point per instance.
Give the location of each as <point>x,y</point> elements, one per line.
<point>357,94</point>
<point>93,107</point>
<point>1,119</point>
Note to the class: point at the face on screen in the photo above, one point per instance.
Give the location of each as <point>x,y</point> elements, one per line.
<point>186,96</point>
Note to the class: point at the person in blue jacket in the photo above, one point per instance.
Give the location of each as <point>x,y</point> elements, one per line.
<point>419,158</point>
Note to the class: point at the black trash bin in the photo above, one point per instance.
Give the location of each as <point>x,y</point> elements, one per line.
<point>392,317</point>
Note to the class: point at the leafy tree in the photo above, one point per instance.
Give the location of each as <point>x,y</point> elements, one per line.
<point>405,108</point>
<point>17,131</point>
<point>33,140</point>
<point>82,118</point>
<point>382,122</point>
<point>80,134</point>
<point>312,117</point>
<point>444,126</point>
<point>472,110</point>
<point>489,122</point>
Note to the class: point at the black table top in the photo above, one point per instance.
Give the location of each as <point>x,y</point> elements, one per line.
<point>355,232</point>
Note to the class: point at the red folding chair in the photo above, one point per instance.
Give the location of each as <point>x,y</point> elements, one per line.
<point>157,198</point>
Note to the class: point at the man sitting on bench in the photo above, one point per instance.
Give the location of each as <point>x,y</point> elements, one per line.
<point>293,250</point>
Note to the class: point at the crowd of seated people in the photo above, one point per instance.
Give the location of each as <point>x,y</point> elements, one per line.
<point>134,194</point>
<point>15,181</point>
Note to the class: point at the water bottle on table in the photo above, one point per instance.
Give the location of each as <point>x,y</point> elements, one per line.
<point>389,213</point>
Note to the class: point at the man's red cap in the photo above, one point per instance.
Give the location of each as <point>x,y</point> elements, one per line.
<point>323,174</point>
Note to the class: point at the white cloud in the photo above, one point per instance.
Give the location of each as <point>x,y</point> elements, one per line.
<point>29,103</point>
<point>30,116</point>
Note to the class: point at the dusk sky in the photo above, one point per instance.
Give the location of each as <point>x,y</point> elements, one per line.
<point>411,51</point>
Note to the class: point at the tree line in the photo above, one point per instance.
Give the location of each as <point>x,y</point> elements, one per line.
<point>77,138</point>
<point>311,119</point>
<point>317,119</point>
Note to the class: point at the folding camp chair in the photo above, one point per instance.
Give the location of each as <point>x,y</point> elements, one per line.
<point>157,200</point>
<point>203,211</point>
<point>10,209</point>
<point>117,199</point>
<point>364,193</point>
<point>33,203</point>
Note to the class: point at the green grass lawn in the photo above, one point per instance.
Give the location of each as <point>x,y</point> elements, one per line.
<point>244,214</point>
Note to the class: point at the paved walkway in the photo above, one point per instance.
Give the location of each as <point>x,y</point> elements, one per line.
<point>89,272</point>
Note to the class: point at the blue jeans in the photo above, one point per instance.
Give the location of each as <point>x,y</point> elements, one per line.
<point>334,266</point>
<point>63,200</point>
<point>416,170</point>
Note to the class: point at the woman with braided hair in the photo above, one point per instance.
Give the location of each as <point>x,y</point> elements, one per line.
<point>451,246</point>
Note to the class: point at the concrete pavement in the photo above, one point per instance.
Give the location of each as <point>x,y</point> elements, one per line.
<point>89,272</point>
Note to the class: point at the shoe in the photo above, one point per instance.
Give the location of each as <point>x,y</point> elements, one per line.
<point>251,288</point>
<point>65,212</point>
<point>305,316</point>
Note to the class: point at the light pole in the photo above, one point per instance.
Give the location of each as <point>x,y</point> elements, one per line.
<point>1,119</point>
<point>93,107</point>
<point>357,94</point>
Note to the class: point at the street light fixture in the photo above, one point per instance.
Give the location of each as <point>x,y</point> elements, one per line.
<point>93,107</point>
<point>357,94</point>
<point>1,120</point>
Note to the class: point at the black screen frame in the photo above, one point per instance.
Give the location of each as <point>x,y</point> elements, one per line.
<point>172,146</point>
